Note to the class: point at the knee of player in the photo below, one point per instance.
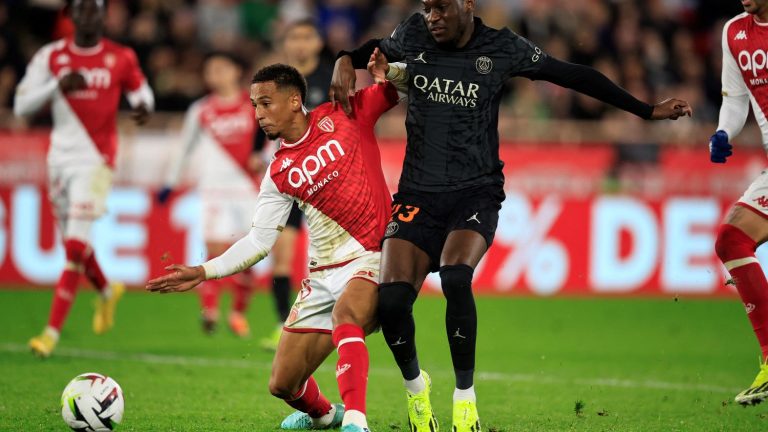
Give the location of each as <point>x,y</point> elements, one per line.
<point>395,299</point>
<point>76,250</point>
<point>282,389</point>
<point>456,280</point>
<point>732,243</point>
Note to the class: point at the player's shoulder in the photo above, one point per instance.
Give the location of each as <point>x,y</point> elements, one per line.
<point>51,47</point>
<point>411,24</point>
<point>740,20</point>
<point>123,51</point>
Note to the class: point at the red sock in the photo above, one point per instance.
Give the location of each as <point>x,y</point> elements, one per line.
<point>352,368</point>
<point>310,400</point>
<point>66,288</point>
<point>209,295</point>
<point>93,272</point>
<point>241,292</point>
<point>737,252</point>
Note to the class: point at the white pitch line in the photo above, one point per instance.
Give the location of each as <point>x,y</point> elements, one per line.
<point>176,360</point>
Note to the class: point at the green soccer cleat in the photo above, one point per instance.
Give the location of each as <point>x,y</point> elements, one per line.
<point>270,343</point>
<point>302,421</point>
<point>465,418</point>
<point>758,391</point>
<point>420,415</point>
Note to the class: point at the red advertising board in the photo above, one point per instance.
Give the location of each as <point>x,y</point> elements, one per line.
<point>561,230</point>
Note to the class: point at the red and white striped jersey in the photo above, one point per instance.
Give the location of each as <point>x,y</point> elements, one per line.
<point>745,64</point>
<point>85,121</point>
<point>224,132</point>
<point>334,172</point>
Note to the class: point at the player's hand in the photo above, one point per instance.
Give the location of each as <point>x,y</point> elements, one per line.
<point>671,109</point>
<point>719,147</point>
<point>163,194</point>
<point>140,114</point>
<point>182,278</point>
<point>378,66</point>
<point>256,164</point>
<point>72,82</point>
<point>343,84</point>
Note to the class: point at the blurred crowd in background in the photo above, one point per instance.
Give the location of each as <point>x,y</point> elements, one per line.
<point>654,48</point>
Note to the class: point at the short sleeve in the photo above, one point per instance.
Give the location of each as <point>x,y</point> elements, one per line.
<point>373,101</point>
<point>525,58</point>
<point>133,78</point>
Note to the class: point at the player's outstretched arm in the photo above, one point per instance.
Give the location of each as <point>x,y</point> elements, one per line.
<point>344,79</point>
<point>381,70</point>
<point>181,278</point>
<point>591,82</point>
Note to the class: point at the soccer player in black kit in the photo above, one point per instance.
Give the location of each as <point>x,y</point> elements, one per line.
<point>445,213</point>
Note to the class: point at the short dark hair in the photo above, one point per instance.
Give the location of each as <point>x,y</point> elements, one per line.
<point>233,58</point>
<point>283,76</point>
<point>306,22</point>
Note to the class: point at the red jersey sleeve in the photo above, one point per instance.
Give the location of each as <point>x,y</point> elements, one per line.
<point>132,76</point>
<point>373,101</point>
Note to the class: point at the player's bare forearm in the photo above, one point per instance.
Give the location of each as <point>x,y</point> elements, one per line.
<point>343,83</point>
<point>181,278</point>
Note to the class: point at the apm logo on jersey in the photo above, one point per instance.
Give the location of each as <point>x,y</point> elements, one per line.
<point>754,62</point>
<point>448,91</point>
<point>311,165</point>
<point>94,77</point>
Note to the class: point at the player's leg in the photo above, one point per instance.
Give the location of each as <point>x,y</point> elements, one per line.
<point>310,315</point>
<point>742,231</point>
<point>413,240</point>
<point>473,227</point>
<point>354,316</point>
<point>298,355</point>
<point>463,251</point>
<point>282,267</point>
<point>210,291</point>
<point>242,289</point>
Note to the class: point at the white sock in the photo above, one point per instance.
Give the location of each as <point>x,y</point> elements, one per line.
<point>354,417</point>
<point>416,385</point>
<point>106,292</point>
<point>52,332</point>
<point>464,395</point>
<point>325,420</point>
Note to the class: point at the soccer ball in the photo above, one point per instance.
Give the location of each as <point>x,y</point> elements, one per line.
<point>92,403</point>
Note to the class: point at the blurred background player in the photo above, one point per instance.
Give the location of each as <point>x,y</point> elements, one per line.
<point>446,210</point>
<point>83,78</point>
<point>223,127</point>
<point>302,48</point>
<point>331,165</point>
<point>745,78</point>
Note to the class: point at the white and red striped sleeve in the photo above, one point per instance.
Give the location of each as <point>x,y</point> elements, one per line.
<point>272,211</point>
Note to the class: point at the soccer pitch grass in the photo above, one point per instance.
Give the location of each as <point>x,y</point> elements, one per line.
<point>633,364</point>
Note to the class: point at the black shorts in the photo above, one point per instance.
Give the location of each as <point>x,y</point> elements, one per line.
<point>294,219</point>
<point>426,218</point>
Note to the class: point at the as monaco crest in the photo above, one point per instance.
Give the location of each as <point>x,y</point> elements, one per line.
<point>326,125</point>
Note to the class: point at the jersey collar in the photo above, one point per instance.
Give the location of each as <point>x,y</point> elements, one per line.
<point>306,134</point>
<point>85,51</point>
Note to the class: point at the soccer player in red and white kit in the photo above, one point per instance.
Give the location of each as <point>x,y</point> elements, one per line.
<point>83,78</point>
<point>222,127</point>
<point>330,164</point>
<point>745,80</point>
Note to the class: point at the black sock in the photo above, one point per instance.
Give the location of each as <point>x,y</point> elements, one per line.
<point>460,321</point>
<point>396,317</point>
<point>281,291</point>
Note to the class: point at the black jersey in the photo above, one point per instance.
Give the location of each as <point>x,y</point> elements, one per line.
<point>453,102</point>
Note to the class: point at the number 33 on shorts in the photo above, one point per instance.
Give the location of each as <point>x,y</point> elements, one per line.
<point>404,213</point>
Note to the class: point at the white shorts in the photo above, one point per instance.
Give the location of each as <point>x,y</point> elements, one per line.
<point>756,196</point>
<point>311,313</point>
<point>227,217</point>
<point>79,192</point>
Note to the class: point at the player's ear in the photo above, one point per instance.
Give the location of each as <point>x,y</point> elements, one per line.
<point>469,6</point>
<point>296,102</point>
